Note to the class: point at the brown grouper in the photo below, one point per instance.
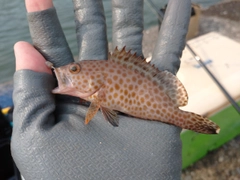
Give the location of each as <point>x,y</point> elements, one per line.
<point>129,84</point>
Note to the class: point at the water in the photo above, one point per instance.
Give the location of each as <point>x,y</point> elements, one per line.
<point>14,27</point>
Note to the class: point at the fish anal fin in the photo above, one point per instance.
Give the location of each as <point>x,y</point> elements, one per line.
<point>173,88</point>
<point>92,110</point>
<point>110,116</point>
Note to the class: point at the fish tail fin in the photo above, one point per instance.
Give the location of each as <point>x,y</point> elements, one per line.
<point>197,123</point>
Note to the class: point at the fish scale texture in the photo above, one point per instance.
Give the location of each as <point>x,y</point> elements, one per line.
<point>68,149</point>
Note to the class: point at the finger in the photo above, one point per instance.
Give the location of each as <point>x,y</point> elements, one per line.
<point>27,57</point>
<point>127,18</point>
<point>91,29</point>
<point>33,103</point>
<point>39,5</point>
<point>171,39</point>
<point>46,32</point>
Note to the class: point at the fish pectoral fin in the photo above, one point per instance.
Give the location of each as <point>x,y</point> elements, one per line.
<point>92,110</point>
<point>110,116</point>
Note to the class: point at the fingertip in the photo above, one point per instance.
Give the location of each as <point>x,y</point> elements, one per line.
<point>38,5</point>
<point>27,57</point>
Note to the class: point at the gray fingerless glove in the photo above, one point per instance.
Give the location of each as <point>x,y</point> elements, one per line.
<point>50,140</point>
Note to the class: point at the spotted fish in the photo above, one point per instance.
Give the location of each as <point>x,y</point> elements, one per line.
<point>129,84</point>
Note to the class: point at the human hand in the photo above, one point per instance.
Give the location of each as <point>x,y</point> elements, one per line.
<point>50,140</point>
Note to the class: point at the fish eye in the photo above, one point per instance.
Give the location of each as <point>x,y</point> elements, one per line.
<point>75,68</point>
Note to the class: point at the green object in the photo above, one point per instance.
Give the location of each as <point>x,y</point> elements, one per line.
<point>196,146</point>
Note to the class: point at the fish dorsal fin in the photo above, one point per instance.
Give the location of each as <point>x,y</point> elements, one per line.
<point>164,79</point>
<point>173,87</point>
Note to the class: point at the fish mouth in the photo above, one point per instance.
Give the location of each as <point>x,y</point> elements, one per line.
<point>64,83</point>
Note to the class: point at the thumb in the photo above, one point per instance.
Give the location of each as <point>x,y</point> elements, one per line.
<point>27,57</point>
